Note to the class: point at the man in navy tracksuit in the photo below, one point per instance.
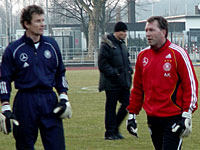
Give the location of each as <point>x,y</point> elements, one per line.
<point>35,65</point>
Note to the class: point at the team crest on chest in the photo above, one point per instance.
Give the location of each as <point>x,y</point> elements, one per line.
<point>47,54</point>
<point>145,61</point>
<point>167,66</point>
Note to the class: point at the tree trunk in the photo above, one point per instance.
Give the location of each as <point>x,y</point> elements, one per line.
<point>93,25</point>
<point>93,32</point>
<point>92,38</point>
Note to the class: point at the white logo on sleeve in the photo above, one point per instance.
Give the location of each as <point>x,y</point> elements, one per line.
<point>3,88</point>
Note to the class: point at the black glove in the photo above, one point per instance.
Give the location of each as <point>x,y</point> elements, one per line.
<point>183,127</point>
<point>63,108</point>
<point>132,125</point>
<point>6,120</point>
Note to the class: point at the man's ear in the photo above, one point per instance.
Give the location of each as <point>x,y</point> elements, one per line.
<point>164,32</point>
<point>27,24</point>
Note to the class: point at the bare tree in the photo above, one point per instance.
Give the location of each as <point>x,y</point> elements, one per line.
<point>71,10</point>
<point>108,14</point>
<point>8,21</point>
<point>93,8</point>
<point>93,15</point>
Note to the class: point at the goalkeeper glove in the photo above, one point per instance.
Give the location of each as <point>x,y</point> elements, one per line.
<point>7,119</point>
<point>63,108</point>
<point>131,124</point>
<point>183,127</point>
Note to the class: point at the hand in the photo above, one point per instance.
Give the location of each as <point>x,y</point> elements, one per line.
<point>184,127</point>
<point>7,119</point>
<point>132,125</point>
<point>63,108</point>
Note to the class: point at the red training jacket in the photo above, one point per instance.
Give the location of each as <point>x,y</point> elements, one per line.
<point>164,83</point>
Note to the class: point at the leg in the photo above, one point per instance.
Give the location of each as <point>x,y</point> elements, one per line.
<point>51,127</point>
<point>171,140</point>
<point>26,133</point>
<point>122,112</point>
<point>110,112</point>
<point>25,137</point>
<point>52,135</point>
<point>156,136</point>
<point>156,131</point>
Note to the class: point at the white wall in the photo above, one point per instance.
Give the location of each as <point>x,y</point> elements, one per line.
<point>192,23</point>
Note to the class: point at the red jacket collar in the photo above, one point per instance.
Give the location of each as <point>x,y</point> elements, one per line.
<point>167,43</point>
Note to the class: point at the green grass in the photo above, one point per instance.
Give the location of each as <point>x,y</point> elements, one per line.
<point>85,130</point>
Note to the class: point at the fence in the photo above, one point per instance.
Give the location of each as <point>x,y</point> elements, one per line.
<point>74,58</point>
<point>80,57</point>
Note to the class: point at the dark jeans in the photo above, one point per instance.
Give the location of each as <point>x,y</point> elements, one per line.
<point>161,133</point>
<point>113,119</point>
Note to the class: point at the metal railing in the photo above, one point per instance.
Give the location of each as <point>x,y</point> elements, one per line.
<point>80,57</point>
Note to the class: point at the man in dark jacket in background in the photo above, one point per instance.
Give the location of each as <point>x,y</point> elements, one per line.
<point>115,78</point>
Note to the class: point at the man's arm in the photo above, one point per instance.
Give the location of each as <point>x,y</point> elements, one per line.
<point>6,77</point>
<point>7,70</point>
<point>60,78</point>
<point>189,81</point>
<point>103,61</point>
<point>189,85</point>
<point>63,108</point>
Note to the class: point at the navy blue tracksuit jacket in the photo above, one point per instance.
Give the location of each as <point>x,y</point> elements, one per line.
<point>29,67</point>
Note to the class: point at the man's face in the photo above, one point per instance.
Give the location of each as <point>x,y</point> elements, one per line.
<point>121,35</point>
<point>36,27</point>
<point>155,36</point>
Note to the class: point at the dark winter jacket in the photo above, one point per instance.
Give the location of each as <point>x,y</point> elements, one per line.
<point>114,65</point>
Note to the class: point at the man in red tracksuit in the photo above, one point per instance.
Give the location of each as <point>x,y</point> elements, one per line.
<point>165,85</point>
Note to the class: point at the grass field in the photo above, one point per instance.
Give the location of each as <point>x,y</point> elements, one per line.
<point>85,130</point>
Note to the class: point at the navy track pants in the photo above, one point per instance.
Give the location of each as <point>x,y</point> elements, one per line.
<point>34,111</point>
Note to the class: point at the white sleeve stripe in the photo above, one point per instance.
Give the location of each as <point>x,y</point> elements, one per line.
<point>64,82</point>
<point>17,49</point>
<point>193,84</point>
<point>53,50</point>
<point>3,88</point>
<point>191,75</point>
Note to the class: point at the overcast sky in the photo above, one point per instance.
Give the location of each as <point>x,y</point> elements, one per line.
<point>165,8</point>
